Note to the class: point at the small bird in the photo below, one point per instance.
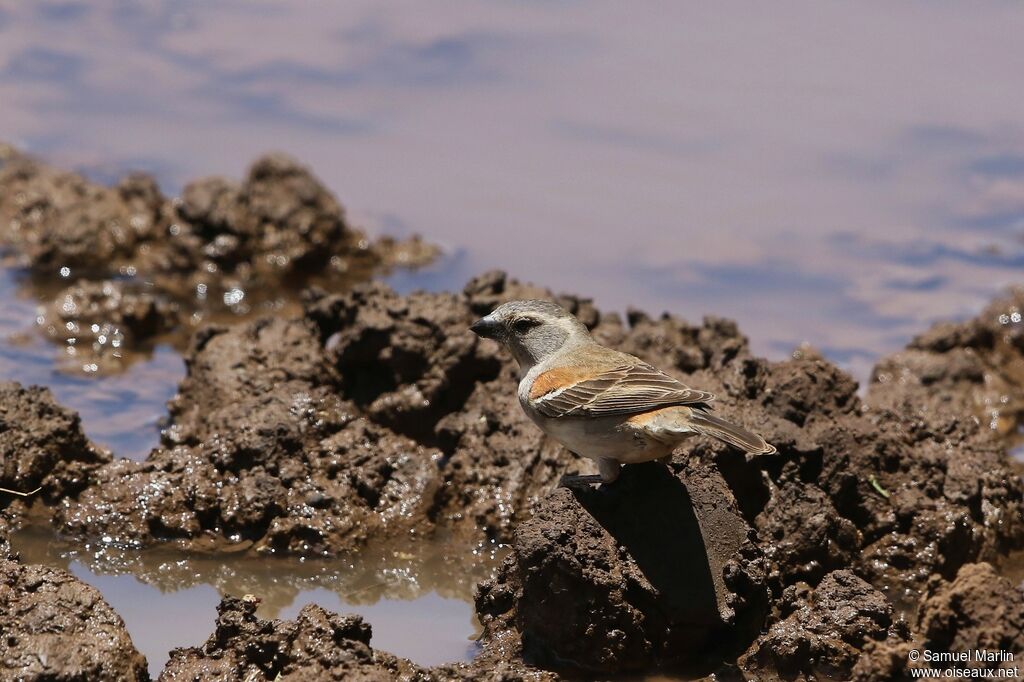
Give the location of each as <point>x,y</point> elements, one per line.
<point>600,403</point>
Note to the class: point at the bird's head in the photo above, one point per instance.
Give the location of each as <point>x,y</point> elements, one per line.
<point>531,330</point>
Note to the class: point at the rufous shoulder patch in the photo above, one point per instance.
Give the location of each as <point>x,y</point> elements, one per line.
<point>641,419</point>
<point>557,378</point>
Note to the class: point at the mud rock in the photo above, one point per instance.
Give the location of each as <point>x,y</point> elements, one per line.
<point>304,498</point>
<point>263,451</point>
<point>406,361</point>
<point>978,610</point>
<point>42,445</point>
<point>803,535</point>
<point>58,628</point>
<point>825,629</point>
<point>949,499</point>
<point>683,346</point>
<point>224,247</point>
<point>228,365</point>
<point>887,661</point>
<point>656,570</point>
<point>920,504</point>
<point>280,218</point>
<point>101,319</point>
<point>317,645</point>
<point>970,368</point>
<point>59,219</point>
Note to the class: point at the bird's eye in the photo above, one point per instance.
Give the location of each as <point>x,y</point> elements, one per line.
<point>523,323</point>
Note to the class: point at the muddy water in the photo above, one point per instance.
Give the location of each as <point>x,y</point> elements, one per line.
<point>754,163</point>
<point>120,411</point>
<point>417,606</point>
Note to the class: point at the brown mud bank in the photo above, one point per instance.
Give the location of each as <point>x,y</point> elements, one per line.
<point>351,420</point>
<point>374,417</point>
<point>116,267</point>
<point>317,645</point>
<point>870,509</point>
<point>55,627</point>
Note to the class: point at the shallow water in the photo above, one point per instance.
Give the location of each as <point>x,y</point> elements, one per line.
<point>417,606</point>
<point>834,174</point>
<point>121,411</point>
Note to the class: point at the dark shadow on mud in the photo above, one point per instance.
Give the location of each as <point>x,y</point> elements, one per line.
<point>680,542</point>
<point>651,514</point>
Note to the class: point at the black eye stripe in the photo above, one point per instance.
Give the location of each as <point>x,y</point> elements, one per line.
<point>524,323</point>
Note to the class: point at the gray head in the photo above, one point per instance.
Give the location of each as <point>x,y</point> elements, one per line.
<point>531,330</point>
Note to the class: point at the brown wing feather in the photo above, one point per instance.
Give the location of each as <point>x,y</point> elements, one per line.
<point>626,389</point>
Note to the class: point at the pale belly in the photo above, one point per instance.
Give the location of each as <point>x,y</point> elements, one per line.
<point>609,438</point>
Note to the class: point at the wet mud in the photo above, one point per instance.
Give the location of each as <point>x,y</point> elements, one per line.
<point>42,446</point>
<point>365,419</point>
<point>976,610</point>
<point>659,570</point>
<point>116,268</point>
<point>56,627</point>
<point>822,630</point>
<point>317,645</point>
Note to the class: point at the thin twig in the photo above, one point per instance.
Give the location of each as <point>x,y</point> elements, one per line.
<point>20,494</point>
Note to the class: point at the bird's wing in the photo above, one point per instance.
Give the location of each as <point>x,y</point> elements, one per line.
<point>625,389</point>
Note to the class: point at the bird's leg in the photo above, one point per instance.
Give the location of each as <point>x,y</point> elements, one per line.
<point>609,469</point>
<point>666,460</point>
<point>578,480</point>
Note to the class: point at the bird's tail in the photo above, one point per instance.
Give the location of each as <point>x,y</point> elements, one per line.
<point>727,432</point>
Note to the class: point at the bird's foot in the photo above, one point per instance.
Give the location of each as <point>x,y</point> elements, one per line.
<point>579,480</point>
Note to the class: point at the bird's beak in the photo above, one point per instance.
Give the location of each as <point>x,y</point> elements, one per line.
<point>486,327</point>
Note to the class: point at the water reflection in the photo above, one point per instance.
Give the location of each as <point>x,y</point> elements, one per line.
<point>123,411</point>
<point>168,599</point>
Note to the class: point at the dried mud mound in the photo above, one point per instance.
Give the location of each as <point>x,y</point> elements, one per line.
<point>317,645</point>
<point>654,570</point>
<point>55,627</point>
<point>264,454</point>
<point>141,264</point>
<point>974,367</point>
<point>866,500</point>
<point>42,445</point>
<point>823,630</point>
<point>978,610</point>
<point>372,416</point>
